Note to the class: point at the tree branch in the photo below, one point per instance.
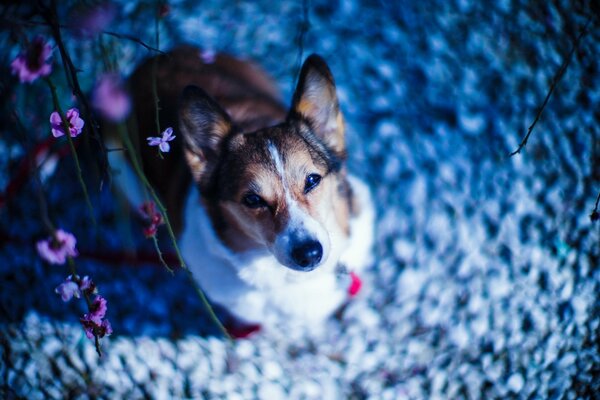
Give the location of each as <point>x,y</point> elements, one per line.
<point>133,39</point>
<point>71,73</point>
<point>557,77</point>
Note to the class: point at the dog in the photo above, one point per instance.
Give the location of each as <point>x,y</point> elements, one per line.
<point>267,217</point>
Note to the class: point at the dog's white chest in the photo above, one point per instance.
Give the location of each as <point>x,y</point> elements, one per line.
<point>255,286</point>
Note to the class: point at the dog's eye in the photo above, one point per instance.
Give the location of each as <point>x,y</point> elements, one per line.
<point>252,200</point>
<point>312,181</point>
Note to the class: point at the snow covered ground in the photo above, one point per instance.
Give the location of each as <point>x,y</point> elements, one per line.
<point>485,282</point>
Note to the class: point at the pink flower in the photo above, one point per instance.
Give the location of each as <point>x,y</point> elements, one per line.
<point>31,64</point>
<point>97,310</point>
<point>110,98</point>
<point>208,56</point>
<point>105,328</point>
<point>75,123</point>
<point>93,322</point>
<point>162,142</point>
<point>73,287</point>
<point>56,249</point>
<point>92,328</point>
<point>87,285</point>
<point>68,289</point>
<point>153,217</point>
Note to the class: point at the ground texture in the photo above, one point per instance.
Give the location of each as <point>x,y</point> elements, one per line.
<point>485,282</point>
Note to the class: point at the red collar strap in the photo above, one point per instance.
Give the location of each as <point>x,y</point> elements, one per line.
<point>350,278</point>
<point>355,284</point>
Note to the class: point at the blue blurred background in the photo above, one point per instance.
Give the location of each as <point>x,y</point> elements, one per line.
<point>485,282</point>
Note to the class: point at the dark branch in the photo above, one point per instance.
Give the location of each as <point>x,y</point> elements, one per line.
<point>16,21</point>
<point>594,216</point>
<point>133,39</point>
<point>71,72</point>
<point>304,27</point>
<point>555,80</point>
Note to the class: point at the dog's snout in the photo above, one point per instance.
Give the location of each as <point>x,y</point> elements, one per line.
<point>308,254</point>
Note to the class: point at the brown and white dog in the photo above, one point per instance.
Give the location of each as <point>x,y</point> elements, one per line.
<point>265,211</point>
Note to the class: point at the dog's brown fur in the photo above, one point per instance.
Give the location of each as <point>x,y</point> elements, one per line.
<point>245,100</point>
<point>242,89</point>
<point>258,195</point>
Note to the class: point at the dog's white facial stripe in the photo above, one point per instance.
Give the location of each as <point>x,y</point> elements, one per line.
<point>295,213</point>
<point>301,225</point>
<point>276,157</point>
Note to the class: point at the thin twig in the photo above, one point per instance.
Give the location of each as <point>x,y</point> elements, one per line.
<point>154,72</point>
<point>71,72</point>
<point>43,204</point>
<point>87,299</point>
<point>304,27</point>
<point>65,124</point>
<point>118,35</point>
<point>133,39</point>
<point>160,255</point>
<point>595,210</point>
<point>140,173</point>
<point>555,80</point>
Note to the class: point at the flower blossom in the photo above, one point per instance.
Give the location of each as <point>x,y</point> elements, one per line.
<point>87,285</point>
<point>162,142</point>
<point>110,98</point>
<point>68,289</point>
<point>153,217</point>
<point>93,322</point>
<point>56,249</point>
<point>208,56</point>
<point>100,329</point>
<point>74,286</point>
<point>97,310</point>
<point>32,64</point>
<point>75,123</point>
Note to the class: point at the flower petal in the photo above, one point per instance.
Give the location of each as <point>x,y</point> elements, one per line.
<point>67,290</point>
<point>154,141</point>
<point>72,114</point>
<point>164,147</point>
<point>87,285</point>
<point>47,253</point>
<point>167,133</point>
<point>110,97</point>
<point>57,133</point>
<point>97,310</point>
<point>107,328</point>
<point>55,119</point>
<point>31,63</point>
<point>68,242</point>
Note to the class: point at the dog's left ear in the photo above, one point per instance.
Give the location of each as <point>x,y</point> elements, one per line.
<point>204,126</point>
<point>315,100</point>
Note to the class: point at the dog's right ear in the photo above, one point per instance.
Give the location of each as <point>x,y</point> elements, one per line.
<point>315,100</point>
<point>204,125</point>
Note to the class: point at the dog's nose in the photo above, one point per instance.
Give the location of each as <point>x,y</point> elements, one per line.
<point>307,254</point>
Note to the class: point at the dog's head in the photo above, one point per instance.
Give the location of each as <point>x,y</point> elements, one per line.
<point>282,187</point>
